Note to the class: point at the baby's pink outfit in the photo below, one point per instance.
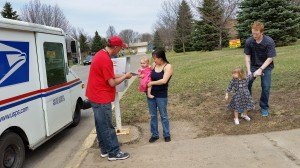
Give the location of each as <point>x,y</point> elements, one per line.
<point>146,73</point>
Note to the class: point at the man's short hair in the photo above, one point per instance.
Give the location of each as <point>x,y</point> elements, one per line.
<point>258,26</point>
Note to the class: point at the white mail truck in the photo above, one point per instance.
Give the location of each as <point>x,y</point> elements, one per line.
<point>39,93</point>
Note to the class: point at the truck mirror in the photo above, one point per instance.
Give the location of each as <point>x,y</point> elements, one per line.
<point>73,47</point>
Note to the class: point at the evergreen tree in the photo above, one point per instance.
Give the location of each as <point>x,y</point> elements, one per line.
<point>104,42</point>
<point>184,27</point>
<point>97,43</point>
<point>84,47</point>
<point>281,21</point>
<point>8,12</point>
<point>295,5</point>
<point>205,37</point>
<point>157,43</point>
<point>213,34</point>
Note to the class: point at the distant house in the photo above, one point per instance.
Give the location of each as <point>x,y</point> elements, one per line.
<point>141,47</point>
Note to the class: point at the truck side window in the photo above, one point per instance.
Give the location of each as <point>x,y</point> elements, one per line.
<point>55,63</point>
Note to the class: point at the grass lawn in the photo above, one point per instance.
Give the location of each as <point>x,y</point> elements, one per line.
<point>197,90</point>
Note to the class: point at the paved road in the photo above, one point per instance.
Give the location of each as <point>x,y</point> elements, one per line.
<point>60,149</point>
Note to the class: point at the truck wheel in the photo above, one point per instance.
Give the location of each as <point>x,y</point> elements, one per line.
<point>76,116</point>
<point>12,151</point>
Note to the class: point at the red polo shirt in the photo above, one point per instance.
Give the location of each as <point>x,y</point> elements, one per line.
<point>98,89</point>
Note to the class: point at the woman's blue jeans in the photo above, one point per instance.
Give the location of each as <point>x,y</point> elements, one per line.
<point>265,87</point>
<point>106,133</point>
<point>159,104</point>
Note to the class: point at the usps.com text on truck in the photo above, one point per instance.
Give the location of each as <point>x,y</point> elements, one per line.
<point>39,94</point>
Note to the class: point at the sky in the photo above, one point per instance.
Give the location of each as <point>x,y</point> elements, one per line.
<point>98,15</point>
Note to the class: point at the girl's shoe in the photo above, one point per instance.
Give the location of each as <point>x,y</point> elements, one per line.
<point>236,121</point>
<point>103,155</point>
<point>245,117</point>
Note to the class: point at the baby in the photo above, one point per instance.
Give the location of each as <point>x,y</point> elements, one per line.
<point>145,76</point>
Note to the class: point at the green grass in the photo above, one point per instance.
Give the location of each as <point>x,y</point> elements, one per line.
<point>200,79</point>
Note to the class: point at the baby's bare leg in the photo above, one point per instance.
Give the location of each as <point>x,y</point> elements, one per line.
<point>149,93</point>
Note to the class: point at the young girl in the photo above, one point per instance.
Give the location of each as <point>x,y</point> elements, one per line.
<point>241,101</point>
<point>145,78</point>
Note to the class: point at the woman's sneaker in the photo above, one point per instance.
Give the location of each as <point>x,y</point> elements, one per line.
<point>245,117</point>
<point>167,139</point>
<point>236,121</point>
<point>153,139</point>
<point>119,156</point>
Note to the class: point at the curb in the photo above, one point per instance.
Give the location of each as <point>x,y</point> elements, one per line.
<point>81,154</point>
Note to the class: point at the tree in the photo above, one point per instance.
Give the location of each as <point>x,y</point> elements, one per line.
<point>182,41</point>
<point>146,37</point>
<point>36,12</point>
<point>295,2</point>
<point>110,32</point>
<point>216,14</point>
<point>74,33</point>
<point>97,43</point>
<point>206,34</point>
<point>157,43</point>
<point>281,21</point>
<point>8,12</point>
<point>104,41</point>
<point>296,8</point>
<point>129,36</point>
<point>166,23</point>
<point>205,37</point>
<point>84,47</point>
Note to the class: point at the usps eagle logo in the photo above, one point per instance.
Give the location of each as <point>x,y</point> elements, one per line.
<point>14,62</point>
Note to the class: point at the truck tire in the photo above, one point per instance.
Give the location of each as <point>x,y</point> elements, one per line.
<point>12,151</point>
<point>76,116</point>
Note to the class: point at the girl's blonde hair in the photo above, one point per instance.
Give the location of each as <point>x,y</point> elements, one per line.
<point>239,70</point>
<point>145,59</point>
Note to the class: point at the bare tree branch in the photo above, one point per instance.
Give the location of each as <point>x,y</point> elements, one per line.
<point>166,23</point>
<point>36,12</point>
<point>111,32</point>
<point>146,37</point>
<point>129,36</point>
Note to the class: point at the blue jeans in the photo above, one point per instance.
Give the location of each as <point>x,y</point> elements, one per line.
<point>106,134</point>
<point>265,86</point>
<point>161,105</point>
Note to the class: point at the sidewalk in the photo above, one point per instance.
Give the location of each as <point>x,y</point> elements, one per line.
<point>266,150</point>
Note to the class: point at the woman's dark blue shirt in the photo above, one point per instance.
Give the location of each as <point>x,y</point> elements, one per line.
<point>160,91</point>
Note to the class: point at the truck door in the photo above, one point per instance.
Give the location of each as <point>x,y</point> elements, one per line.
<point>53,71</point>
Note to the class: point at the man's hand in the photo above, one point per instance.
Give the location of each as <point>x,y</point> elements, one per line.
<point>258,72</point>
<point>128,75</point>
<point>249,73</point>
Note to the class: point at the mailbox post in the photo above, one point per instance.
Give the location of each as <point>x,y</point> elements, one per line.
<point>121,66</point>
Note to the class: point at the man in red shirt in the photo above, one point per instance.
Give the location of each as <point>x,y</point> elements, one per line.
<point>101,92</point>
